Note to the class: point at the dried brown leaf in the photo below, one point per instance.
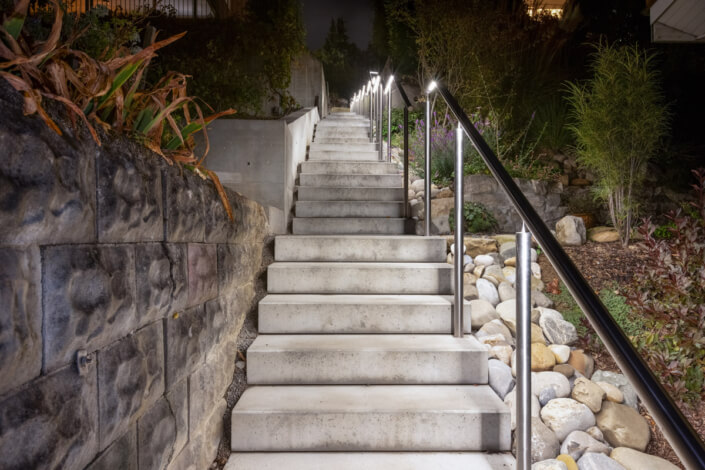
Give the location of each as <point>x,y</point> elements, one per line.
<point>223,195</point>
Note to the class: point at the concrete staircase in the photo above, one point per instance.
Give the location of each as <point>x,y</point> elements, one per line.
<point>355,366</point>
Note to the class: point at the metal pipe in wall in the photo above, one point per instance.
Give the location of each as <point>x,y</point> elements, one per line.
<point>459,225</point>
<point>523,352</point>
<point>427,169</point>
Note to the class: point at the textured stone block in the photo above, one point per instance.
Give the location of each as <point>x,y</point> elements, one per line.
<point>122,454</point>
<point>186,339</point>
<point>51,423</point>
<point>162,280</point>
<point>88,298</point>
<point>47,182</point>
<point>131,379</point>
<point>208,385</point>
<point>219,228</point>
<point>237,265</point>
<point>253,226</point>
<point>202,273</point>
<point>203,446</point>
<point>129,193</point>
<point>185,215</point>
<point>20,316</point>
<point>163,430</point>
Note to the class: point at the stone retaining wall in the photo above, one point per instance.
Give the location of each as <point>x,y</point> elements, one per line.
<point>111,251</point>
<point>544,196</point>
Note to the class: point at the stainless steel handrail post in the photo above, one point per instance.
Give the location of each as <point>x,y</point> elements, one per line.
<point>389,123</point>
<point>459,226</point>
<point>380,139</point>
<point>406,162</point>
<point>523,352</point>
<point>427,169</point>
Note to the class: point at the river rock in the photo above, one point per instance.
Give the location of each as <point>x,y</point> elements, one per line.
<point>603,234</point>
<point>565,415</point>
<point>479,271</point>
<point>595,461</point>
<point>452,249</point>
<point>502,352</point>
<point>496,327</point>
<point>561,352</point>
<point>544,443</point>
<point>481,312</point>
<point>469,278</point>
<point>539,299</point>
<point>550,464</point>
<point>579,442</point>
<point>510,261</point>
<point>596,434</point>
<point>510,274</point>
<point>468,268</point>
<point>500,378</point>
<point>588,393</point>
<point>635,460</point>
<point>492,340</point>
<point>547,313</point>
<point>479,245</point>
<point>558,331</point>
<point>510,400</point>
<point>494,272</point>
<point>558,382</point>
<point>487,291</point>
<point>546,395</point>
<point>619,381</point>
<point>568,461</point>
<point>565,369</point>
<point>623,426</point>
<point>506,292</point>
<point>570,231</point>
<point>541,358</point>
<point>417,185</point>
<point>508,250</point>
<point>612,393</point>
<point>484,260</point>
<point>536,270</point>
<point>583,363</point>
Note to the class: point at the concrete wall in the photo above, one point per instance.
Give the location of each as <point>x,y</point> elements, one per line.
<point>308,83</point>
<point>110,251</point>
<point>259,158</point>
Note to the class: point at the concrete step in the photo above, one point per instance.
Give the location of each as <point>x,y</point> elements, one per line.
<point>366,359</point>
<point>348,226</point>
<point>371,418</point>
<point>364,147</point>
<point>322,167</point>
<point>317,193</point>
<point>358,314</point>
<point>335,124</point>
<point>359,278</point>
<point>341,140</point>
<point>343,154</point>
<point>351,181</point>
<point>370,461</point>
<point>342,130</point>
<point>349,209</point>
<point>361,248</point>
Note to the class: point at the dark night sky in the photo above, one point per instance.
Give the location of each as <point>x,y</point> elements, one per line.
<point>358,16</point>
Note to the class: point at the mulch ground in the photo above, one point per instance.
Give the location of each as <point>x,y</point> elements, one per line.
<point>603,265</point>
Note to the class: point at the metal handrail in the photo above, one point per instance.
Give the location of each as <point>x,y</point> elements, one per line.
<point>677,430</point>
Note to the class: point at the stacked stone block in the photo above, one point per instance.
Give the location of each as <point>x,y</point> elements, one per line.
<point>110,250</point>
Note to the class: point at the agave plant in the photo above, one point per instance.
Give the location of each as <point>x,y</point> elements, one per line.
<point>106,93</point>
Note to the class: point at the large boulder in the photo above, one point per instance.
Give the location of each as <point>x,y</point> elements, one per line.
<point>635,460</point>
<point>623,426</point>
<point>440,209</point>
<point>588,393</point>
<point>570,231</point>
<point>544,443</point>
<point>558,331</point>
<point>500,378</point>
<point>481,312</point>
<point>565,415</point>
<point>603,234</point>
<point>619,381</point>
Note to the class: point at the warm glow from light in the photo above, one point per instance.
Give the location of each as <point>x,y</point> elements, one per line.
<point>557,12</point>
<point>431,86</point>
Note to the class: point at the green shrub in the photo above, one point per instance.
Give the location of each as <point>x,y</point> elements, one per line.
<point>477,218</point>
<point>619,120</point>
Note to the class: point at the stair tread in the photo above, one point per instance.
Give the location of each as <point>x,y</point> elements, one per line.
<point>370,399</point>
<point>357,342</point>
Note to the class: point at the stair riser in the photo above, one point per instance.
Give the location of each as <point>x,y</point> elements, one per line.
<point>359,279</point>
<point>347,124</point>
<point>341,140</point>
<point>342,131</point>
<point>366,367</point>
<point>347,209</point>
<point>370,461</point>
<point>348,226</point>
<point>350,194</point>
<point>316,146</point>
<point>373,431</point>
<point>348,168</point>
<point>351,181</point>
<point>357,315</point>
<point>361,249</point>
<point>343,155</point>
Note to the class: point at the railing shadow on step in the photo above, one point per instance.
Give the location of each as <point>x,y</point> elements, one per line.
<point>677,430</point>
